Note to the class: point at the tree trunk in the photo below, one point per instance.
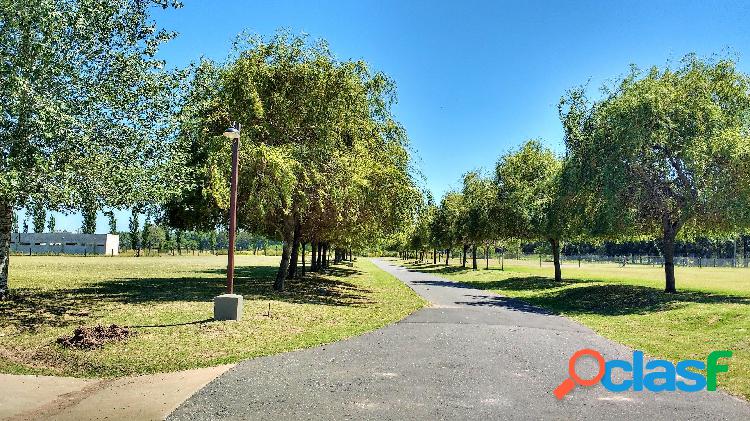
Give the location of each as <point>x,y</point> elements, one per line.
<point>295,252</point>
<point>313,256</point>
<point>474,257</point>
<point>556,257</point>
<point>486,257</point>
<point>6,222</point>
<point>286,253</point>
<point>319,258</point>
<point>323,252</point>
<point>668,253</point>
<point>304,245</point>
<point>325,263</point>
<point>463,256</point>
<point>323,255</point>
<point>434,256</point>
<point>447,255</point>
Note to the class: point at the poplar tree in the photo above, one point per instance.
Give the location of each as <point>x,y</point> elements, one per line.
<point>38,217</point>
<point>135,233</point>
<point>86,108</point>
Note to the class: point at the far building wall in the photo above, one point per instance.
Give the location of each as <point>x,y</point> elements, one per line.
<point>65,243</point>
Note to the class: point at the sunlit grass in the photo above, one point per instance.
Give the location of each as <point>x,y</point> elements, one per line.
<point>711,310</point>
<point>168,302</point>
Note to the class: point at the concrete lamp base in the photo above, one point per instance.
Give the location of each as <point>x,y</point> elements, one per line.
<point>228,307</point>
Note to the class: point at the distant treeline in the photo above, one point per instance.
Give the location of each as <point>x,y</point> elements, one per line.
<point>165,239</point>
<point>701,247</point>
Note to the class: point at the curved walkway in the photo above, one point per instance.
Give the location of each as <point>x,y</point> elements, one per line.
<point>471,355</point>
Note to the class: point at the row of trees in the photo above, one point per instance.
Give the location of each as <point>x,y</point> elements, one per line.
<point>729,246</point>
<point>88,112</point>
<point>322,160</point>
<point>521,201</point>
<point>92,120</point>
<point>662,155</point>
<point>40,222</point>
<point>165,239</point>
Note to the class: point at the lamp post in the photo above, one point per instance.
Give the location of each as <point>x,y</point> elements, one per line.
<point>233,134</point>
<point>229,306</point>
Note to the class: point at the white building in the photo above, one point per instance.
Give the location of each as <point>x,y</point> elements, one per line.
<point>65,243</point>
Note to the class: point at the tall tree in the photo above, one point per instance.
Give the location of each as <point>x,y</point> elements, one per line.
<point>530,194</point>
<point>83,97</point>
<point>38,216</point>
<point>146,242</point>
<point>153,236</point>
<point>419,238</point>
<point>479,214</point>
<point>88,226</point>
<point>135,232</point>
<point>449,226</point>
<point>112,221</point>
<point>51,223</point>
<point>665,154</point>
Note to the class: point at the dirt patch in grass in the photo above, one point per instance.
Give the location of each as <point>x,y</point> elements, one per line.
<point>88,338</point>
<point>168,300</point>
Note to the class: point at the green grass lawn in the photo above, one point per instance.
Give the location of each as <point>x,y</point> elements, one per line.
<point>168,302</point>
<point>710,311</point>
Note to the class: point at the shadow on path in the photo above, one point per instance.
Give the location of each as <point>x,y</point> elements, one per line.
<point>512,304</point>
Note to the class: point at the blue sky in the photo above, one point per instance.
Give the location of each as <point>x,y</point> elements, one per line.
<point>475,78</point>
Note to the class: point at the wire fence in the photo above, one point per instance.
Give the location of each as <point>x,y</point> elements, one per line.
<point>686,261</point>
<point>622,260</point>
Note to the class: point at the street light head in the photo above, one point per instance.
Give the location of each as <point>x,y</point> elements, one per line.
<point>232,133</point>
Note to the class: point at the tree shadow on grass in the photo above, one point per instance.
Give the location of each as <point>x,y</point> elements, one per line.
<point>435,268</point>
<point>595,297</point>
<point>615,300</point>
<point>29,309</point>
<point>526,283</point>
<point>438,268</point>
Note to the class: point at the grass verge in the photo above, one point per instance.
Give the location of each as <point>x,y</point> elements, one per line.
<point>711,310</point>
<point>168,302</point>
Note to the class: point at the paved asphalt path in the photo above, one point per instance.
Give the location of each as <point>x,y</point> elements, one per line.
<point>471,355</point>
